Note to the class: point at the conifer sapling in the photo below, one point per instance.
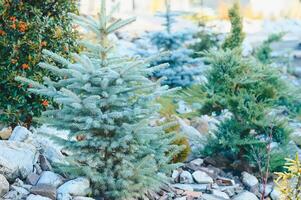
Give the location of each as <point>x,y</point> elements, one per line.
<point>183,69</point>
<point>108,102</point>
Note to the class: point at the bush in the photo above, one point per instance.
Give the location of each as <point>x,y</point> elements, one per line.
<point>251,92</point>
<point>27,27</point>
<point>108,104</point>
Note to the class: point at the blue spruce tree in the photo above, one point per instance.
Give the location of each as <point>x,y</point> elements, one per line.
<point>183,69</point>
<point>108,103</point>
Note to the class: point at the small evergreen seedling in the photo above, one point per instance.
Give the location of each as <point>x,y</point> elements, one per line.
<point>108,104</point>
<point>236,36</point>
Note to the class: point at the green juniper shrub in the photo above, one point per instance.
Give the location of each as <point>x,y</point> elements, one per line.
<point>109,105</point>
<point>236,36</point>
<point>263,52</point>
<point>251,92</point>
<point>26,28</point>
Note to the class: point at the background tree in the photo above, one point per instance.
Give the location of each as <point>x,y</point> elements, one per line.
<point>236,36</point>
<point>108,104</point>
<point>183,69</point>
<point>27,27</point>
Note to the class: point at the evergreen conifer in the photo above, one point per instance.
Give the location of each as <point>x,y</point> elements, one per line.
<point>236,36</point>
<point>108,104</point>
<point>183,69</point>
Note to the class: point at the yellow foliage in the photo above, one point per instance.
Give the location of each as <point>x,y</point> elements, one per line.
<point>168,111</point>
<point>289,183</point>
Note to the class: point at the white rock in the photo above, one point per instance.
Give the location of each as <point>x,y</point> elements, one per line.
<point>17,159</point>
<point>181,198</point>
<point>82,198</point>
<point>296,136</point>
<point>183,108</point>
<point>36,197</point>
<point>221,194</point>
<point>175,175</point>
<point>268,189</point>
<point>51,178</point>
<point>4,185</point>
<point>20,134</point>
<point>202,177</point>
<point>245,196</point>
<point>186,187</point>
<point>211,197</point>
<point>76,187</point>
<point>275,194</point>
<point>249,180</point>
<point>186,177</point>
<point>197,162</point>
<point>196,139</point>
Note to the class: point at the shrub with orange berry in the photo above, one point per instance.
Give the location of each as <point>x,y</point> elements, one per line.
<point>26,28</point>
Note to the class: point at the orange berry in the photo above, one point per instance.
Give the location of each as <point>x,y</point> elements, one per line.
<point>2,33</point>
<point>13,18</point>
<point>25,66</point>
<point>22,26</point>
<point>43,44</point>
<point>45,103</point>
<point>13,26</point>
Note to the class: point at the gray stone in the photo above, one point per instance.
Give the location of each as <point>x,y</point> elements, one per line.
<point>32,179</point>
<point>44,163</point>
<point>197,162</point>
<point>245,196</point>
<point>51,178</point>
<point>175,175</point>
<point>186,177</point>
<point>20,134</point>
<point>250,181</point>
<point>181,198</point>
<point>5,133</point>
<point>211,197</point>
<point>44,190</point>
<point>62,196</point>
<point>20,190</point>
<point>202,177</point>
<point>12,195</point>
<point>16,159</point>
<point>76,187</point>
<point>4,185</point>
<point>37,169</point>
<point>186,187</point>
<point>268,189</point>
<point>221,194</point>
<point>276,194</point>
<point>192,187</point>
<point>82,198</point>
<point>36,197</point>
